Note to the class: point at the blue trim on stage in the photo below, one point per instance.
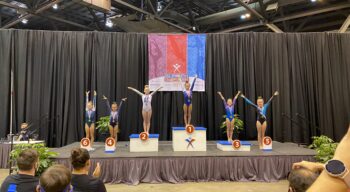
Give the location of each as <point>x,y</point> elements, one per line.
<point>267,149</point>
<point>151,136</point>
<point>195,128</point>
<point>109,151</point>
<point>230,143</point>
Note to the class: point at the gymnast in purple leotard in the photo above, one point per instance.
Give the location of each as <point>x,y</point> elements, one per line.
<point>230,114</point>
<point>187,107</point>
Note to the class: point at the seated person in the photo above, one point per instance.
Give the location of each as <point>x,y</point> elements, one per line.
<point>303,175</point>
<point>55,179</point>
<point>25,180</point>
<point>23,134</point>
<point>81,181</point>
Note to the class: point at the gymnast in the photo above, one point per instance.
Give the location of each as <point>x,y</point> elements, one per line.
<point>230,114</point>
<point>187,107</point>
<point>90,117</point>
<point>114,117</point>
<point>146,107</point>
<point>261,123</point>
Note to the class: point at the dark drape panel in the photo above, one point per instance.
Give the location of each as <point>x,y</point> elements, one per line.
<point>309,70</point>
<point>53,69</point>
<point>5,80</point>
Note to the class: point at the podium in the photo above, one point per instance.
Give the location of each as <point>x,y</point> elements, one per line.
<point>228,146</point>
<point>194,141</point>
<point>110,145</point>
<point>267,144</point>
<point>85,143</point>
<point>149,145</point>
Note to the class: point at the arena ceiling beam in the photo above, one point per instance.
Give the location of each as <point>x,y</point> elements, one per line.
<point>289,17</point>
<point>151,15</point>
<point>272,26</point>
<point>345,25</point>
<point>29,13</point>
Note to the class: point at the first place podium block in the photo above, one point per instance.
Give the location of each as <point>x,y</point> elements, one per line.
<point>227,146</point>
<point>184,141</point>
<point>149,145</point>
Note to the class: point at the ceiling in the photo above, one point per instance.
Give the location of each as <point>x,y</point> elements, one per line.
<point>197,16</point>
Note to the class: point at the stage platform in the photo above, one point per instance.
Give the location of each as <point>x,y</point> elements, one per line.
<point>174,167</point>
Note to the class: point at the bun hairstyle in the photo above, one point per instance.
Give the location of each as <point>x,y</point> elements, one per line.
<point>79,157</point>
<point>260,97</point>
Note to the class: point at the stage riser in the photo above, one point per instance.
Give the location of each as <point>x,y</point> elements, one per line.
<point>179,169</point>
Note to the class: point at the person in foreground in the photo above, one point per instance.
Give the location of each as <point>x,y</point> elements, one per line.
<point>335,176</point>
<point>261,123</point>
<point>81,181</point>
<point>25,180</point>
<point>303,175</point>
<point>55,179</point>
<point>146,107</point>
<point>230,114</point>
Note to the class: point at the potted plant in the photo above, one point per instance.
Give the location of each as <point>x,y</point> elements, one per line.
<point>324,146</point>
<point>238,124</point>
<point>45,155</point>
<point>103,127</point>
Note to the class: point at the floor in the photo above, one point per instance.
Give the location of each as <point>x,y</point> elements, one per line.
<point>194,187</point>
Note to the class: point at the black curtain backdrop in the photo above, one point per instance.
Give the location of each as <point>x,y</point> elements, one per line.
<point>53,69</point>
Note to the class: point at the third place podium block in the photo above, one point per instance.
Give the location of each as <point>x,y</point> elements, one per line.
<point>189,139</point>
<point>235,145</point>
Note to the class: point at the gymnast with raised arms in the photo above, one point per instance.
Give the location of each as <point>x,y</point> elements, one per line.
<point>114,116</point>
<point>261,122</point>
<point>90,116</point>
<point>230,114</point>
<point>187,107</point>
<point>146,107</point>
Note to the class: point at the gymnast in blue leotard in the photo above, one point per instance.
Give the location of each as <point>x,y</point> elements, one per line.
<point>90,117</point>
<point>187,107</point>
<point>230,114</point>
<point>114,117</point>
<point>261,122</point>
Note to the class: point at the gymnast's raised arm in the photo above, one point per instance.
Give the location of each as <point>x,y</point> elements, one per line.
<point>136,91</point>
<point>156,90</point>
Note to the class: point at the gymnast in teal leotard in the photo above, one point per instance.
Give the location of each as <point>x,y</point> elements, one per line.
<point>230,114</point>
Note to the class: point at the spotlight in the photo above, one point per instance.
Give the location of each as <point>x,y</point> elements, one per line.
<point>313,1</point>
<point>24,21</point>
<point>159,6</point>
<point>193,28</point>
<point>109,23</point>
<point>55,6</point>
<point>247,15</point>
<point>243,17</point>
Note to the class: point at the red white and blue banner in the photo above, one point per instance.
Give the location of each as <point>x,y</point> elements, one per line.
<point>176,56</point>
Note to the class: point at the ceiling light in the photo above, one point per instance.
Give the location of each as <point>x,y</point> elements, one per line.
<point>109,23</point>
<point>55,6</point>
<point>313,0</point>
<point>24,21</point>
<point>243,17</point>
<point>247,15</point>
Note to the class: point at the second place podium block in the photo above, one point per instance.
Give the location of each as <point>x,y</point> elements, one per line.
<point>144,143</point>
<point>190,139</point>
